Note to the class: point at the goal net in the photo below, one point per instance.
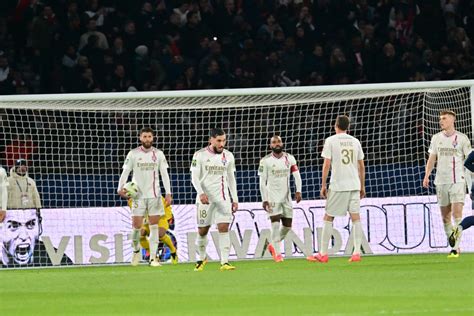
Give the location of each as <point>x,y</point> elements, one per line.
<point>75,146</point>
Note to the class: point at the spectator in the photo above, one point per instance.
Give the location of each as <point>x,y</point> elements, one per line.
<point>4,73</point>
<point>22,191</point>
<point>92,30</point>
<point>236,34</point>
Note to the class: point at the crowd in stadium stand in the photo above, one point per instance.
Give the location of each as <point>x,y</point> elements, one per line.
<point>114,45</point>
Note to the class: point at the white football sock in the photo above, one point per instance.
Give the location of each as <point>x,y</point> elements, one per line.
<point>153,240</point>
<point>458,240</point>
<point>357,231</point>
<point>448,228</point>
<point>276,237</point>
<point>224,246</point>
<point>457,221</point>
<point>201,243</point>
<point>284,231</point>
<point>325,236</point>
<point>136,239</point>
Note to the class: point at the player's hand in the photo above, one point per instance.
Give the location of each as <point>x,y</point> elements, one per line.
<point>235,207</point>
<point>168,199</point>
<point>362,193</point>
<point>324,192</point>
<point>123,193</point>
<point>298,197</point>
<point>204,199</point>
<point>426,182</point>
<point>266,206</point>
<point>3,213</point>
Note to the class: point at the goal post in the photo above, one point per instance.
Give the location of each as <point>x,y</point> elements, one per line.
<point>75,145</point>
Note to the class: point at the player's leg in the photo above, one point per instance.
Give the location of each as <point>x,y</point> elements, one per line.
<point>138,208</point>
<point>442,192</point>
<point>457,195</point>
<point>337,204</point>
<point>137,221</point>
<point>286,219</point>
<point>154,237</point>
<point>155,211</point>
<point>354,211</point>
<point>274,247</point>
<point>163,227</point>
<point>467,222</point>
<point>204,221</point>
<point>223,217</point>
<point>455,237</point>
<point>144,234</point>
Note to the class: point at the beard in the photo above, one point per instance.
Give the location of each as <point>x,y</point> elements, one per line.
<point>147,145</point>
<point>217,150</point>
<point>277,149</point>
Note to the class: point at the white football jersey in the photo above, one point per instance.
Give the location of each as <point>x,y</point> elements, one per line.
<point>344,151</point>
<point>450,151</point>
<point>145,165</point>
<point>277,173</point>
<point>214,171</point>
<point>3,189</point>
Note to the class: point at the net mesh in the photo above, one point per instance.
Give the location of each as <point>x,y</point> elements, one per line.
<point>75,148</point>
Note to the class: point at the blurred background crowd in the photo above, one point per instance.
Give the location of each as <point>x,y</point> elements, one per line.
<point>80,46</point>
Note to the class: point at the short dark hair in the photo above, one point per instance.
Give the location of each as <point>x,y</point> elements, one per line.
<point>448,112</point>
<point>217,132</point>
<point>21,162</point>
<point>342,122</point>
<point>147,130</point>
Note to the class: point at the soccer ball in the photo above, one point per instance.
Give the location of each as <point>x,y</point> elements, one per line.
<point>132,189</point>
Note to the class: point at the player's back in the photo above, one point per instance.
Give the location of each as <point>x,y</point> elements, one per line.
<point>344,151</point>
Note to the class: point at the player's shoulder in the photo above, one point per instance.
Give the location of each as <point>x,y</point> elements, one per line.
<point>462,136</point>
<point>136,150</point>
<point>200,151</point>
<point>228,153</point>
<point>290,156</point>
<point>438,135</point>
<point>3,172</point>
<point>158,151</point>
<point>265,158</point>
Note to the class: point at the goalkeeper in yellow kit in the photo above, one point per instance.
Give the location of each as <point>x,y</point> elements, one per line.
<point>163,224</point>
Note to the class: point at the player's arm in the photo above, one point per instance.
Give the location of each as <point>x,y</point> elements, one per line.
<point>4,194</point>
<point>326,167</point>
<point>326,154</point>
<point>361,170</point>
<point>165,177</point>
<point>195,174</point>
<point>469,163</point>
<point>263,177</point>
<point>433,151</point>
<point>127,168</point>
<point>429,168</point>
<point>232,185</point>
<point>295,171</point>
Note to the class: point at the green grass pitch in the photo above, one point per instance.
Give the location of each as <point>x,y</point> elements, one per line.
<point>379,285</point>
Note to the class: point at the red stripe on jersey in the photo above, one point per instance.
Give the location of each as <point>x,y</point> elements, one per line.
<point>294,168</point>
<point>154,176</point>
<point>222,187</point>
<point>454,162</point>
